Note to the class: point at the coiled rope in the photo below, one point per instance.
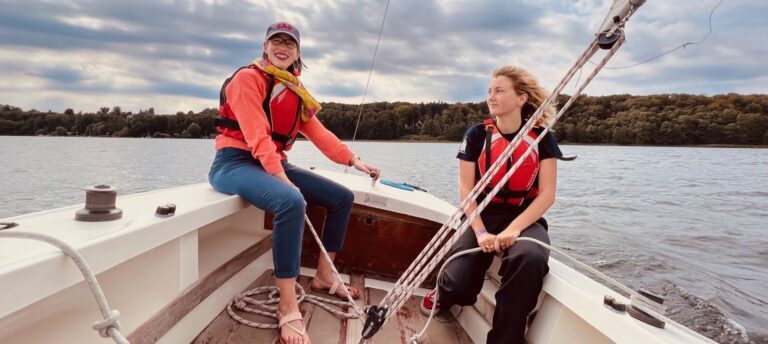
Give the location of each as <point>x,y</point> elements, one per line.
<point>246,302</point>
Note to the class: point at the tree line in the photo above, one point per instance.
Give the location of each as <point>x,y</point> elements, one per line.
<point>665,119</point>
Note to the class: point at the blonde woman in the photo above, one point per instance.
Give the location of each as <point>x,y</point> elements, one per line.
<point>516,211</point>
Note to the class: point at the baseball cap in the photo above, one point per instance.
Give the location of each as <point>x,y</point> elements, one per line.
<point>283,27</point>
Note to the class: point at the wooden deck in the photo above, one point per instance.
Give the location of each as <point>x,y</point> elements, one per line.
<point>325,328</point>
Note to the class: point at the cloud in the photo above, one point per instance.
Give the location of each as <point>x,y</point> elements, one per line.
<point>173,55</point>
<point>61,76</point>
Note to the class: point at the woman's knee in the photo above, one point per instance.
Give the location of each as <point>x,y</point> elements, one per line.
<point>459,273</point>
<point>529,258</point>
<point>292,203</point>
<point>345,197</point>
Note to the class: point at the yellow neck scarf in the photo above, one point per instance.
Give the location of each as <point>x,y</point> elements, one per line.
<point>311,106</point>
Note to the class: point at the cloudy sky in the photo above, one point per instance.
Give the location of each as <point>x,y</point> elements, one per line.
<point>173,55</point>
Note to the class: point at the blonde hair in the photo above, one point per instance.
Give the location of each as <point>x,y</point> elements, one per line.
<point>525,83</point>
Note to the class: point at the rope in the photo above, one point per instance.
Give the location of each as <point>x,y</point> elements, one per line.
<point>110,325</point>
<point>266,308</point>
<point>683,46</point>
<point>351,301</point>
<point>643,303</point>
<point>415,338</point>
<point>247,302</point>
<point>370,72</point>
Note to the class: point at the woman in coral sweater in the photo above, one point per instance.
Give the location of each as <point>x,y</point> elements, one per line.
<point>263,108</point>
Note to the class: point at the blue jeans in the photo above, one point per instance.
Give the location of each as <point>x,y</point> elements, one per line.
<point>236,172</point>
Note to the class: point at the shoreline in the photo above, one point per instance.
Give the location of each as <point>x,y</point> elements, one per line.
<point>718,145</point>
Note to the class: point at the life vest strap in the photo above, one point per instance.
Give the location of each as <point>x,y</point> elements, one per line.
<point>222,91</point>
<point>284,139</point>
<point>488,141</point>
<point>227,123</point>
<point>234,125</point>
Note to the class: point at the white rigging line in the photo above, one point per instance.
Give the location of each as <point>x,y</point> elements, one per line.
<point>681,46</point>
<point>109,326</point>
<point>370,72</point>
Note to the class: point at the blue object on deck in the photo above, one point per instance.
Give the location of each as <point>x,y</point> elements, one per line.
<point>401,186</point>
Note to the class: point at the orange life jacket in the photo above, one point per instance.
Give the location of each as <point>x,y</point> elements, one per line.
<point>282,107</point>
<point>520,185</point>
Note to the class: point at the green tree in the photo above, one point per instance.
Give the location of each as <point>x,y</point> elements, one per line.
<point>115,123</point>
<point>125,132</point>
<point>194,130</point>
<point>430,128</point>
<point>407,118</point>
<point>754,127</point>
<point>8,127</point>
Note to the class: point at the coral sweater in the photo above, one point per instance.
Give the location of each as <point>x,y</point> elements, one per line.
<point>245,94</point>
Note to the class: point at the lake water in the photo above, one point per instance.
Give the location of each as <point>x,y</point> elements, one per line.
<point>687,223</point>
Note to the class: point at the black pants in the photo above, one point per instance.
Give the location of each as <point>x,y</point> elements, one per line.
<point>522,272</point>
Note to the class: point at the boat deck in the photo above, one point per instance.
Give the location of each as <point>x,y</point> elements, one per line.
<point>324,327</point>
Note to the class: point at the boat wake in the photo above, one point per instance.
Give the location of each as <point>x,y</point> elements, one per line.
<point>705,317</point>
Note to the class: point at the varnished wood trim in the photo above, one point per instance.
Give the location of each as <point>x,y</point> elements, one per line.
<point>354,329</point>
<point>317,215</point>
<point>160,323</point>
<point>390,215</point>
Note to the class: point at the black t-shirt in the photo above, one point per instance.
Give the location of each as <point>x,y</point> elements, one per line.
<point>472,146</point>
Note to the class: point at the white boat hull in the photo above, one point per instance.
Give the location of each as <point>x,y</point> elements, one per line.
<point>145,264</point>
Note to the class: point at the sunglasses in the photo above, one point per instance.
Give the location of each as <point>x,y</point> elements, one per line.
<point>287,42</point>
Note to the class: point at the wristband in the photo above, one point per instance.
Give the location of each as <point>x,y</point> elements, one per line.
<point>481,232</point>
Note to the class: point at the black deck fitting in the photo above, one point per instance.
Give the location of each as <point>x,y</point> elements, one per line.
<point>643,316</point>
<point>375,319</point>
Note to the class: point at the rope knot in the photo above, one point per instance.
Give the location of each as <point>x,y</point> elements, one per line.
<point>238,302</point>
<point>104,325</point>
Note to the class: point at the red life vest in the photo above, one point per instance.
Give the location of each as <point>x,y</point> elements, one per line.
<point>282,107</point>
<point>520,185</point>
